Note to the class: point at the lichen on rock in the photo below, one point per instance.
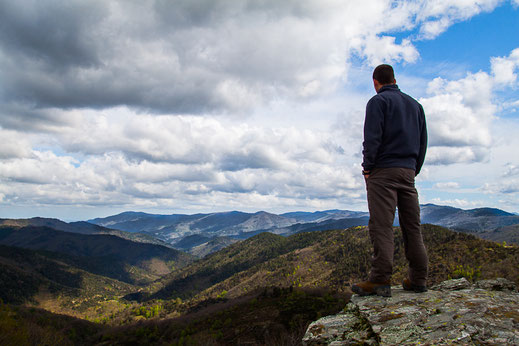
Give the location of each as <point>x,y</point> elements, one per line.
<point>453,312</point>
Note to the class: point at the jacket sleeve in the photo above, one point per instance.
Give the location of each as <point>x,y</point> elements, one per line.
<point>423,144</point>
<point>373,131</point>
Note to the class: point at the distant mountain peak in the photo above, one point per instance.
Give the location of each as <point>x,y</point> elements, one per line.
<point>241,225</point>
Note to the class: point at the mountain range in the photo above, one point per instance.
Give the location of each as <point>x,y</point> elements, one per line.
<point>81,227</point>
<point>478,220</point>
<point>187,231</point>
<point>220,278</point>
<point>265,289</point>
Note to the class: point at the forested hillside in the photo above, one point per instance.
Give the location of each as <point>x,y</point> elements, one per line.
<point>107,255</point>
<point>265,289</point>
<point>333,260</point>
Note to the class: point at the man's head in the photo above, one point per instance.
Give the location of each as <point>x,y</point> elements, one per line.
<point>383,75</point>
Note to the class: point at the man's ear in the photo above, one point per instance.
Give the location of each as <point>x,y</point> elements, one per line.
<point>376,84</point>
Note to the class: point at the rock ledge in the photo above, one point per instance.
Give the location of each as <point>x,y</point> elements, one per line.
<point>453,312</point>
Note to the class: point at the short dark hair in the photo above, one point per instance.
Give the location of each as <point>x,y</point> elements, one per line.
<point>384,74</point>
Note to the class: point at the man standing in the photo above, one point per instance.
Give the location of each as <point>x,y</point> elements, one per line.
<point>395,141</point>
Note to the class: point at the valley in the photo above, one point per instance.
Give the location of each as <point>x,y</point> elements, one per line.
<point>216,283</point>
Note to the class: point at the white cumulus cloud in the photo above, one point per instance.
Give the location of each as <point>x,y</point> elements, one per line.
<point>503,68</point>
<point>437,15</point>
<point>460,112</point>
<point>447,185</point>
<point>161,159</point>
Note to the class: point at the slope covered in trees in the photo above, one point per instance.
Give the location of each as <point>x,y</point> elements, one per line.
<point>265,289</point>
<point>107,255</point>
<point>333,259</point>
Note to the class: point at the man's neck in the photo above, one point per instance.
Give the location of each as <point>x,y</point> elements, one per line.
<point>386,86</point>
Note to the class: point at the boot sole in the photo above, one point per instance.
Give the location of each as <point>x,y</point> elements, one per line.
<point>383,291</point>
<point>414,288</point>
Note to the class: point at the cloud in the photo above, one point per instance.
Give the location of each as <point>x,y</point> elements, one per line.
<point>440,155</point>
<point>187,57</point>
<point>437,15</point>
<point>459,114</point>
<point>30,31</point>
<point>503,68</point>
<point>165,158</point>
<point>38,120</point>
<point>120,103</point>
<point>460,203</point>
<point>13,145</point>
<point>197,140</point>
<point>40,168</point>
<point>511,170</point>
<point>378,50</point>
<point>447,185</point>
<point>511,186</point>
<point>194,57</point>
<point>510,105</point>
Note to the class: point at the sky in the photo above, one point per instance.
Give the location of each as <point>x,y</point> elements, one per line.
<point>198,106</point>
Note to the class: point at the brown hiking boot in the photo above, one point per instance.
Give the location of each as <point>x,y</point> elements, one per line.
<point>409,286</point>
<point>367,288</point>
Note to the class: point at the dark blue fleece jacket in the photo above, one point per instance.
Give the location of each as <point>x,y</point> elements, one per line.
<point>395,133</point>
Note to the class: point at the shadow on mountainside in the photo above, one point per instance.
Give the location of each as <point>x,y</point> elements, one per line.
<point>23,272</point>
<point>332,260</point>
<point>107,255</point>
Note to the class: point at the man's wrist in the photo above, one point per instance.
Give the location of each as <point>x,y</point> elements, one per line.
<point>366,172</point>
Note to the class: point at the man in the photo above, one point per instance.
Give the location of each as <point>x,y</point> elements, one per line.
<point>395,141</point>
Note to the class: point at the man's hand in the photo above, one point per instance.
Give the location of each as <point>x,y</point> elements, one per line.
<point>366,174</point>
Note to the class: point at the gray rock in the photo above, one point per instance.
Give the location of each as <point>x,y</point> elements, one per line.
<point>451,285</point>
<point>498,284</point>
<point>347,328</point>
<point>451,313</point>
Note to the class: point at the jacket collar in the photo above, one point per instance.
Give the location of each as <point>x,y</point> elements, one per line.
<point>393,87</point>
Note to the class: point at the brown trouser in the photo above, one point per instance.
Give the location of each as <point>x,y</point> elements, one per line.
<point>389,188</point>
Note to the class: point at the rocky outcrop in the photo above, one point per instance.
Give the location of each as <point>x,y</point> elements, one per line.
<point>454,312</point>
